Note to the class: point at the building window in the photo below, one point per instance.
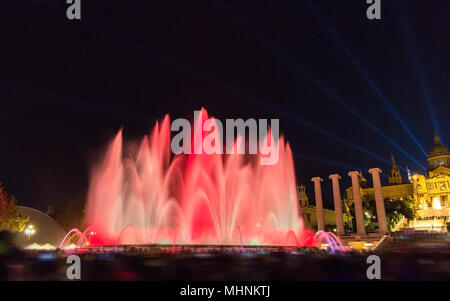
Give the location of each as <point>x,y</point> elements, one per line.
<point>308,218</point>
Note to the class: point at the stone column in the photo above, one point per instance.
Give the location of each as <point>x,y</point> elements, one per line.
<point>381,213</point>
<point>319,203</point>
<point>299,204</point>
<point>360,229</point>
<point>337,204</point>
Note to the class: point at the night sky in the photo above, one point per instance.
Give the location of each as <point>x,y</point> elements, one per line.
<point>341,85</point>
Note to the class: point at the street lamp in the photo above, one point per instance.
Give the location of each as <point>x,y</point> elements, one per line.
<point>29,231</point>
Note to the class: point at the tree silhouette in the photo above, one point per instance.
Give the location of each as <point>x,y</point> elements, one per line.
<point>72,216</point>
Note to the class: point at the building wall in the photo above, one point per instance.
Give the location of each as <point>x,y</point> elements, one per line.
<point>396,192</point>
<point>432,193</point>
<point>309,214</point>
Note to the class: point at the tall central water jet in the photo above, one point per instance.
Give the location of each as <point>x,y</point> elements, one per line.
<point>154,197</point>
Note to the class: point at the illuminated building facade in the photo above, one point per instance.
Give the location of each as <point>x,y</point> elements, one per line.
<point>430,192</point>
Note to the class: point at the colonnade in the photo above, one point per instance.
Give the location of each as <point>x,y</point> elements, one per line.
<point>359,214</point>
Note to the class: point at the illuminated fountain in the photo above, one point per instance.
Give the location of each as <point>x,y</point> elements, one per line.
<point>156,198</point>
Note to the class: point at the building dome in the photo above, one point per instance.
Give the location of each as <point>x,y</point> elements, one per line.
<point>47,230</point>
<point>439,154</point>
<point>438,149</point>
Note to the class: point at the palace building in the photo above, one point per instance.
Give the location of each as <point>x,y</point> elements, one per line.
<point>430,191</point>
<point>427,194</point>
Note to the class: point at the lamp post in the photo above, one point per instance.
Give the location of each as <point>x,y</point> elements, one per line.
<point>29,231</point>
